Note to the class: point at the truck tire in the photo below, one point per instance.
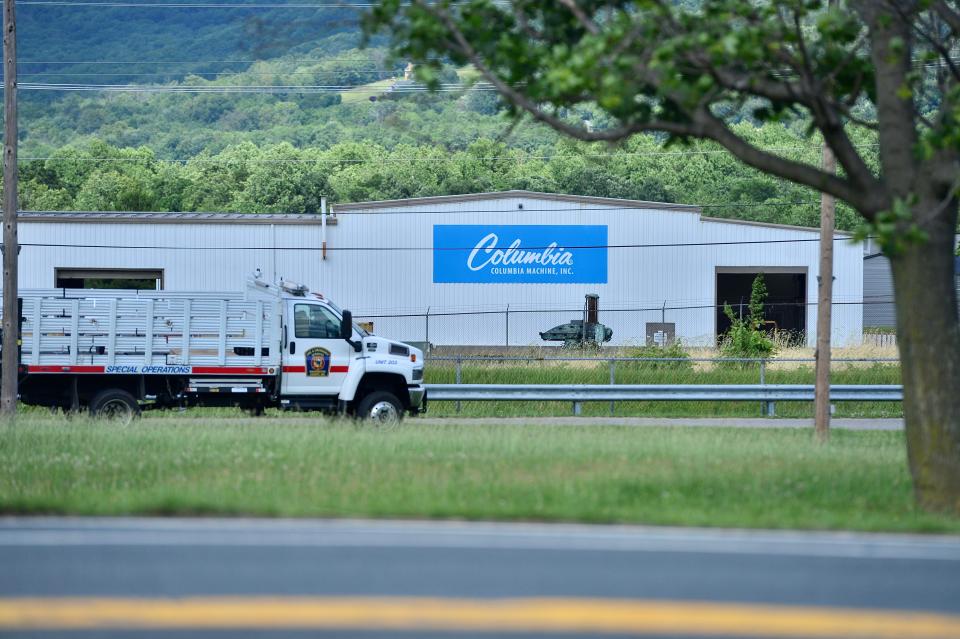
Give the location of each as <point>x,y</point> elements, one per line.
<point>382,408</point>
<point>115,404</point>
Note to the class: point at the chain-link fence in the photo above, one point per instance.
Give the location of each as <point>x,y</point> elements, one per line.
<point>696,325</point>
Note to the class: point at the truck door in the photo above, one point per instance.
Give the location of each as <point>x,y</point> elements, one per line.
<point>316,360</point>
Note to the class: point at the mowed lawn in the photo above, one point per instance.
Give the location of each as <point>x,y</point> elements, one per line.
<point>311,467</point>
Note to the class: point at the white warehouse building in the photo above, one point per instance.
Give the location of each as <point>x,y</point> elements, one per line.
<point>481,269</point>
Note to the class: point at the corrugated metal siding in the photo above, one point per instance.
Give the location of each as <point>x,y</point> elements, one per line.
<point>879,310</point>
<point>207,257</point>
<point>380,263</point>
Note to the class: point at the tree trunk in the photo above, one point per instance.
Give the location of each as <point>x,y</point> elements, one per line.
<point>928,333</point>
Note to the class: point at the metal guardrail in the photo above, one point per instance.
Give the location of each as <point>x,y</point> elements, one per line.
<point>659,392</point>
<point>767,394</point>
<point>653,360</point>
<point>761,392</point>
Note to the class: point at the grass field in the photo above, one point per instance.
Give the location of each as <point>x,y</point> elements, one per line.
<point>309,467</point>
<point>640,372</point>
<point>363,92</point>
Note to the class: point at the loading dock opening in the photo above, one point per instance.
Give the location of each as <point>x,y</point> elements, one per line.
<point>785,309</point>
<point>143,279</point>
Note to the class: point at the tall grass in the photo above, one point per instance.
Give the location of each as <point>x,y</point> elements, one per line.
<point>309,467</point>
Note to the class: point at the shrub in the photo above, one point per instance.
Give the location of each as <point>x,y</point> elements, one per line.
<point>746,338</point>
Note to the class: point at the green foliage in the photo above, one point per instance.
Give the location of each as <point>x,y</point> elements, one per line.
<point>746,337</point>
<point>283,177</point>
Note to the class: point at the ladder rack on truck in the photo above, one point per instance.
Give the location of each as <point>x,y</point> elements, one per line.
<point>120,350</point>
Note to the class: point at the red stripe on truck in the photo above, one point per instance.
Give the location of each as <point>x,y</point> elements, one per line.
<point>303,369</point>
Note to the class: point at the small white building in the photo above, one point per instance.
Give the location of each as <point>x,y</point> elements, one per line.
<point>479,269</point>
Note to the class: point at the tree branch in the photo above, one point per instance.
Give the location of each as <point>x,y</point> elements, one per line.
<point>942,50</point>
<point>581,17</point>
<point>949,15</point>
<point>869,202</point>
<point>861,189</point>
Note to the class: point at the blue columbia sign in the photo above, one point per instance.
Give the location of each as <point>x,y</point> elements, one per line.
<point>510,254</point>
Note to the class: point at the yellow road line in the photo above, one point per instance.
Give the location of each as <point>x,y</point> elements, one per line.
<point>497,615</point>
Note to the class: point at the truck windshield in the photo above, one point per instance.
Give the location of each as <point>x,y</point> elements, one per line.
<point>339,311</point>
<point>363,332</point>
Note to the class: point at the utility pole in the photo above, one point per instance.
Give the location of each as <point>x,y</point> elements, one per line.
<point>824,299</point>
<point>11,313</point>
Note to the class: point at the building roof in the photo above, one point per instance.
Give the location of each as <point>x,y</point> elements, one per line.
<point>620,203</point>
<point>172,218</point>
<point>360,207</point>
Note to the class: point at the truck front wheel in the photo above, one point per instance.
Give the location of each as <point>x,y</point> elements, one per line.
<point>380,407</point>
<point>114,404</point>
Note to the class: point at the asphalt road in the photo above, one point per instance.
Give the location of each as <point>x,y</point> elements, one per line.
<point>363,570</point>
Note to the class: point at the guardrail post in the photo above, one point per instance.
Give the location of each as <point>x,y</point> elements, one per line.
<point>767,409</point>
<point>613,380</point>
<point>576,408</point>
<point>459,375</point>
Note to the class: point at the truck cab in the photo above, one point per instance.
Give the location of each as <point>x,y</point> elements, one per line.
<point>329,362</point>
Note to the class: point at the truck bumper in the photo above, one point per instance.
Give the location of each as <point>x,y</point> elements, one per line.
<point>418,399</point>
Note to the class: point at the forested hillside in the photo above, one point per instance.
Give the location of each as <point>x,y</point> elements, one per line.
<point>249,110</point>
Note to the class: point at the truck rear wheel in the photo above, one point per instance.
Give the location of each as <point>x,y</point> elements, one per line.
<point>114,404</point>
<point>380,407</point>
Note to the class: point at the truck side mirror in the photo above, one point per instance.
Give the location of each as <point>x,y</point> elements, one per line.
<point>346,326</point>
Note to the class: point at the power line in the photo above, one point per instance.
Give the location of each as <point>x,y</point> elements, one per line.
<point>448,158</point>
<point>215,159</point>
<point>160,62</point>
<point>314,249</point>
<point>391,73</point>
<point>195,5</point>
<point>716,205</point>
<point>651,309</point>
<point>266,89</point>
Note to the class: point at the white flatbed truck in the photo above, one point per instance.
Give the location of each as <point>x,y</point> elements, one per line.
<point>117,352</point>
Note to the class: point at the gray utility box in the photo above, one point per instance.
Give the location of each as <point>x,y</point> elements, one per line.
<point>661,334</point>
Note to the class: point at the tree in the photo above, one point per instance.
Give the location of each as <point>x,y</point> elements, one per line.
<point>692,69</point>
<point>283,180</point>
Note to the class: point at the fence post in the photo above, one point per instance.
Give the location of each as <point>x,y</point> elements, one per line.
<point>508,326</point>
<point>426,336</point>
<point>613,380</point>
<point>459,376</point>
